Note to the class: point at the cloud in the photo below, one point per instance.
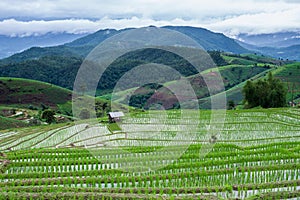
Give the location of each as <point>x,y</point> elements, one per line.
<point>286,20</point>
<point>155,9</point>
<point>231,17</point>
<point>13,28</point>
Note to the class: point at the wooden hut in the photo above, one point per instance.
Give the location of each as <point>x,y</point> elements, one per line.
<point>115,116</point>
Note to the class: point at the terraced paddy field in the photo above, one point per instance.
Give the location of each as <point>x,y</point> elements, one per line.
<point>245,154</point>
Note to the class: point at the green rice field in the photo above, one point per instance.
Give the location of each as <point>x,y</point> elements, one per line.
<point>240,154</point>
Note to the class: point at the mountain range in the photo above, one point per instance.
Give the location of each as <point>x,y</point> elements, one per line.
<point>279,39</point>
<point>59,64</point>
<point>282,45</point>
<point>82,46</point>
<point>10,45</point>
<point>49,64</point>
<point>236,60</point>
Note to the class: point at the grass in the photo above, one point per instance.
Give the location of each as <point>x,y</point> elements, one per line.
<point>236,74</point>
<point>113,127</point>
<point>289,70</point>
<point>7,123</point>
<point>290,74</point>
<point>239,61</point>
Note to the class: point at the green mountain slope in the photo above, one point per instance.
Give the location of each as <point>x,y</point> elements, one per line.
<point>95,38</point>
<point>250,67</point>
<point>290,74</point>
<point>62,71</point>
<point>32,94</point>
<point>58,70</point>
<point>210,40</point>
<point>82,46</point>
<point>32,97</point>
<point>233,75</point>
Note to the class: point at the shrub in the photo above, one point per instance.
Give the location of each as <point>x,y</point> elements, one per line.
<point>48,116</point>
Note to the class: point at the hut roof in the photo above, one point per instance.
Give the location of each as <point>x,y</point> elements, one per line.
<point>116,114</point>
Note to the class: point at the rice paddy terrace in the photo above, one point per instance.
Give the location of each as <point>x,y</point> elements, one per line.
<point>254,154</point>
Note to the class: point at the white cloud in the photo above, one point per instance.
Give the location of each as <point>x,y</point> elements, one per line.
<point>143,8</point>
<point>12,27</point>
<point>74,16</point>
<point>286,20</point>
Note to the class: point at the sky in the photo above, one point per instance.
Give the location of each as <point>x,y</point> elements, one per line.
<point>231,17</point>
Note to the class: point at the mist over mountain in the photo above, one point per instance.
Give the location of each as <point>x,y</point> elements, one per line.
<point>10,45</point>
<point>283,45</point>
<point>278,40</point>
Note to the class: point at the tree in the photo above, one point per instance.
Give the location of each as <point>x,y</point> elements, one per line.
<point>217,58</point>
<point>48,115</point>
<point>249,94</point>
<point>277,92</point>
<point>231,105</point>
<point>44,107</point>
<point>102,108</point>
<point>269,93</point>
